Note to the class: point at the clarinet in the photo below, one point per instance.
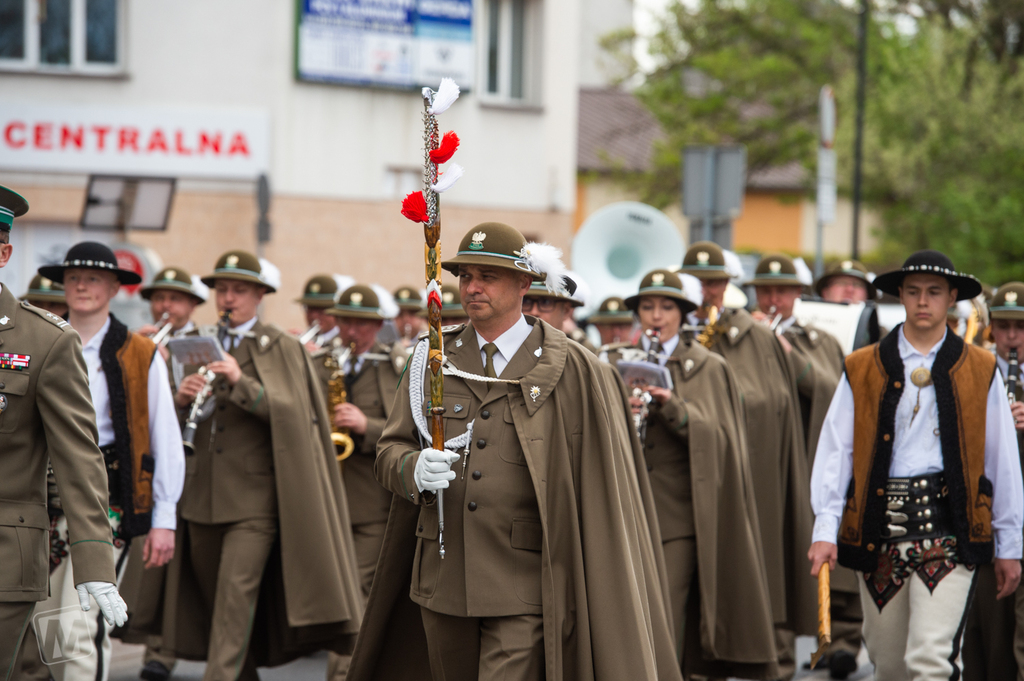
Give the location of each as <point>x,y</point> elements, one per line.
<point>641,417</point>
<point>188,433</point>
<point>1012,376</point>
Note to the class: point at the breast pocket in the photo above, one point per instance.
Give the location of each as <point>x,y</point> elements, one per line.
<point>14,388</point>
<point>456,411</point>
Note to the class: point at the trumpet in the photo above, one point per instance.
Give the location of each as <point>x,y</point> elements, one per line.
<point>188,433</point>
<point>166,327</point>
<point>310,334</point>
<point>1012,376</point>
<point>337,394</point>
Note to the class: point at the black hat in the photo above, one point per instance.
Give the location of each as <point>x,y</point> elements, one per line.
<point>89,255</point>
<point>12,205</point>
<point>172,279</point>
<point>662,283</point>
<point>929,262</point>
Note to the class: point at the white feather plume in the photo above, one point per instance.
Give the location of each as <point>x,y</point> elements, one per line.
<point>692,288</point>
<point>803,272</point>
<point>448,178</point>
<point>733,265</point>
<point>199,288</point>
<point>388,306</point>
<point>446,95</point>
<point>582,294</point>
<point>547,260</point>
<point>270,274</point>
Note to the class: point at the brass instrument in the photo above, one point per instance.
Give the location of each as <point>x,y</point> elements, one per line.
<point>188,433</point>
<point>709,334</point>
<point>161,336</point>
<point>1012,376</point>
<point>310,334</point>
<point>337,394</point>
<point>640,418</point>
<point>776,320</point>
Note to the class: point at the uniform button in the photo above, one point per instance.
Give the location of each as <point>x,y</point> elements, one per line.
<point>481,443</point>
<point>21,519</point>
<point>419,529</point>
<point>886,437</point>
<point>880,492</point>
<point>220,449</point>
<point>477,475</point>
<point>2,385</point>
<point>871,547</point>
<point>485,414</point>
<point>220,429</point>
<point>472,506</point>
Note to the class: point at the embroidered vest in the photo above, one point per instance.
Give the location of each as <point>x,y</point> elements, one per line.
<point>962,375</point>
<point>126,358</point>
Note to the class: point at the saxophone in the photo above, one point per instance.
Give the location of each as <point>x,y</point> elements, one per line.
<point>338,394</point>
<point>709,334</point>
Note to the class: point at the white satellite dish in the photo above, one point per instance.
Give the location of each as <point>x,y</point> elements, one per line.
<point>619,244</point>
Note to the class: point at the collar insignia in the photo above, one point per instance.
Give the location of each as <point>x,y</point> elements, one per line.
<point>264,340</point>
<point>534,392</point>
<point>733,332</point>
<point>775,266</point>
<point>5,319</point>
<point>703,257</point>
<point>687,365</point>
<point>813,335</point>
<point>458,342</point>
<point>477,244</point>
<point>537,352</point>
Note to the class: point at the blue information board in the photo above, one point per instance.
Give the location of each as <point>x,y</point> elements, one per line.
<point>390,43</point>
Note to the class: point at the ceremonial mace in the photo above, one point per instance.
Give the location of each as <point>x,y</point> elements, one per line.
<point>425,207</point>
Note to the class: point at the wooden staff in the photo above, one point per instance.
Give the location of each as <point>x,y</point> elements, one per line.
<point>824,615</point>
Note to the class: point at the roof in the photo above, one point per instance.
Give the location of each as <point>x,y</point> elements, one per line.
<point>616,132</point>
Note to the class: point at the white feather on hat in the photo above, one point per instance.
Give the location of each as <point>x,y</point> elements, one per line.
<point>692,288</point>
<point>733,265</point>
<point>270,274</point>
<point>199,289</point>
<point>547,260</point>
<point>343,282</point>
<point>388,306</point>
<point>803,272</point>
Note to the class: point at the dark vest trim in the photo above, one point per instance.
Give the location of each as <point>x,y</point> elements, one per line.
<point>132,524</point>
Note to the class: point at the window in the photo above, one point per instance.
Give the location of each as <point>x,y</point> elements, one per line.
<point>511,50</point>
<point>62,36</point>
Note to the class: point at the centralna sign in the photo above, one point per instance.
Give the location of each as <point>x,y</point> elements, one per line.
<point>214,143</point>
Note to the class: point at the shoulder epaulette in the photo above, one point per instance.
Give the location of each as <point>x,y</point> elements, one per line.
<point>59,322</point>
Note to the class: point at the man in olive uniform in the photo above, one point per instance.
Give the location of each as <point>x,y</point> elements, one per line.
<point>817,362</point>
<point>174,293</point>
<point>317,298</point>
<point>549,570</point>
<point>46,295</point>
<point>410,321</point>
<point>994,637</point>
<point>265,511</point>
<point>371,379</point>
<point>46,415</point>
<point>776,446</point>
<point>845,281</point>
<point>613,320</point>
<point>555,309</point>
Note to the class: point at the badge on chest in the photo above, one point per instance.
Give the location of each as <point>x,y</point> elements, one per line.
<point>14,362</point>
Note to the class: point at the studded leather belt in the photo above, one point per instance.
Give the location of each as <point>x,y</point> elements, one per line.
<point>916,508</point>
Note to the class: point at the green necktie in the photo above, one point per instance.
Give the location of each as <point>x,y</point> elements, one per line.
<point>489,350</point>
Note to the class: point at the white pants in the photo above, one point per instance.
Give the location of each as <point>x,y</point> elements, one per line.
<point>92,626</point>
<point>917,634</point>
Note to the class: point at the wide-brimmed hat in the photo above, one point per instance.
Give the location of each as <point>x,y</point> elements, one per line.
<point>408,299</point>
<point>90,255</point>
<point>929,262</point>
<point>1008,302</point>
<point>239,266</point>
<point>775,269</point>
<point>43,290</point>
<point>12,205</point>
<point>172,279</point>
<point>492,244</point>
<point>358,302</point>
<point>705,260</point>
<point>612,311</point>
<point>662,283</point>
<point>846,268</point>
<point>319,292</point>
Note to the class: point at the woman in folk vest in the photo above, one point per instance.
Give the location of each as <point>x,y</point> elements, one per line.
<point>917,480</point>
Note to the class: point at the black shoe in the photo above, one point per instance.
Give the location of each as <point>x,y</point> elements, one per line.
<point>156,671</point>
<point>842,664</point>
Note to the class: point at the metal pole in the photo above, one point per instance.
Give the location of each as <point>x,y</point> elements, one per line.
<point>858,148</point>
<point>709,193</point>
<point>819,255</point>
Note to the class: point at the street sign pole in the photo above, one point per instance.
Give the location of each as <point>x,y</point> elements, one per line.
<point>263,204</point>
<point>714,179</point>
<point>709,194</point>
<point>826,199</point>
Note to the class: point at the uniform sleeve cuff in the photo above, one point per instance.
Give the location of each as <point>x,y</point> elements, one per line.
<point>675,414</point>
<point>826,528</point>
<point>1009,545</point>
<point>164,516</point>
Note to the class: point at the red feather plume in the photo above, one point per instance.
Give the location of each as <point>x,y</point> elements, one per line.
<point>449,143</point>
<point>414,207</point>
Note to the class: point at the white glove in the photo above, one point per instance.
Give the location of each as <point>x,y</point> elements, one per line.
<point>111,604</point>
<point>433,469</point>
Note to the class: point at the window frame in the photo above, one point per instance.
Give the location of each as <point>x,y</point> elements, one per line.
<point>532,55</point>
<point>79,66</point>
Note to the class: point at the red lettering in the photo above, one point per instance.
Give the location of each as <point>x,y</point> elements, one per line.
<point>42,136</point>
<point>72,135</point>
<point>209,143</point>
<point>239,145</point>
<point>101,135</point>
<point>9,136</point>
<point>128,137</point>
<point>179,144</point>
<point>157,142</point>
